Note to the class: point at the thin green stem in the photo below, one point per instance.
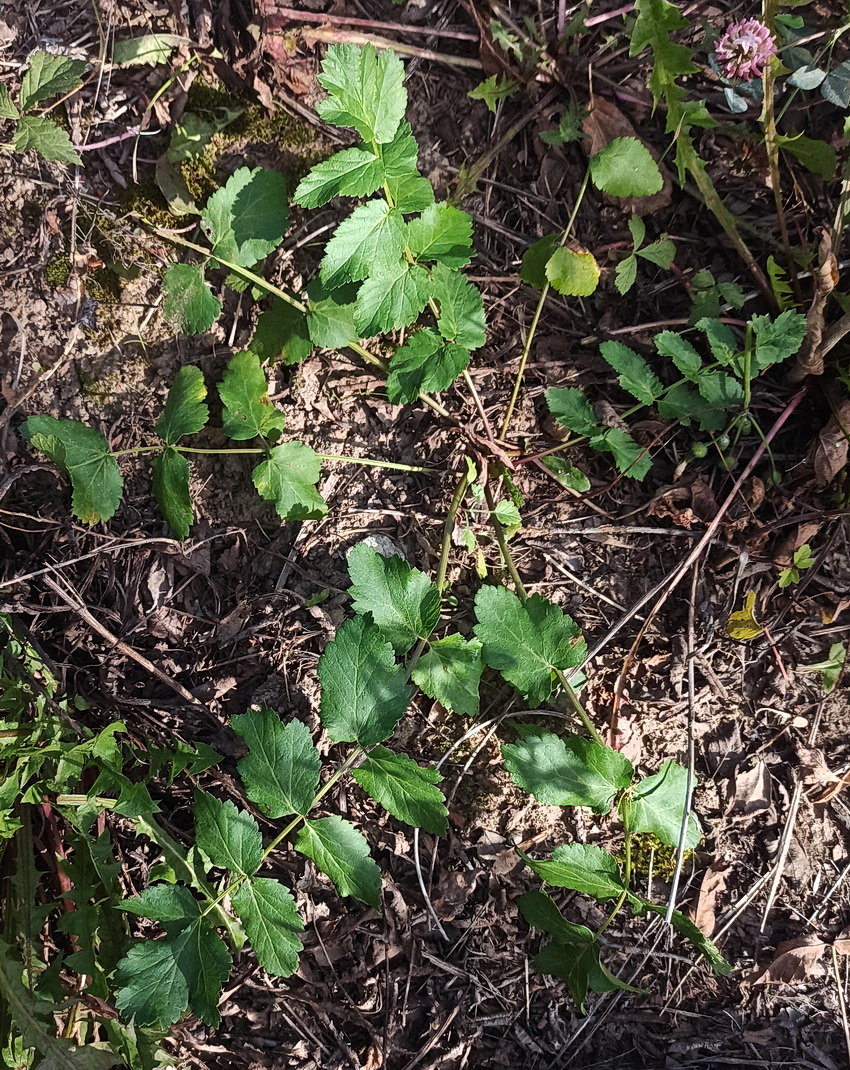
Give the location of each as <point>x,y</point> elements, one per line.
<point>254,451</point>
<point>748,357</point>
<point>627,879</point>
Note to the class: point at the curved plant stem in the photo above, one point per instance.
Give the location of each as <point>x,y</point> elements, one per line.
<point>257,450</point>
<point>627,874</point>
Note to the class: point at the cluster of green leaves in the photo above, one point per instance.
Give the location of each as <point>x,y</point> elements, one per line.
<point>287,476</point>
<point>46,76</point>
<point>660,252</point>
<point>706,392</point>
<point>800,561</point>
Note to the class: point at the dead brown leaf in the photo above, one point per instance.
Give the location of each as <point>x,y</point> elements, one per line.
<point>751,791</point>
<point>830,454</point>
<point>712,887</point>
<point>810,358</point>
<point>795,961</point>
<point>688,503</point>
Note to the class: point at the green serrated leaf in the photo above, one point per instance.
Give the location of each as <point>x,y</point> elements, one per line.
<point>683,354</point>
<point>721,340</point>
<point>189,302</point>
<point>203,959</point>
<point>247,217</point>
<point>350,173</point>
<point>403,601</point>
<point>7,108</point>
<point>244,394</point>
<point>776,340</point>
<point>527,641</point>
<point>364,692</point>
<point>409,191</point>
<point>342,853</point>
<point>492,90</point>
<point>370,240</point>
<point>635,375</point>
<point>720,389</point>
<point>151,988</point>
<point>625,274</point>
<point>407,790</point>
<point>171,904</point>
<point>568,772</point>
<point>581,868</point>
<point>185,411</point>
<point>571,408</point>
<point>461,318</point>
<point>282,330</point>
<point>629,456</point>
<point>392,298</point>
<point>625,168</point>
<point>229,837</point>
<point>442,233</point>
<point>272,922</point>
<point>572,272</point>
<point>281,770</point>
<point>782,289</point>
<point>535,258</point>
<point>365,90</point>
<point>450,672</point>
<point>43,135</point>
<point>50,76</point>
<point>425,362</point>
<point>330,318</point>
<point>170,472</point>
<point>83,453</point>
<point>657,805</point>
<point>662,253</point>
<point>288,478</point>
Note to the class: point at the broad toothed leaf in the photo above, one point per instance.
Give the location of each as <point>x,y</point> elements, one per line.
<point>43,135</point>
<point>581,868</point>
<point>229,837</point>
<point>365,90</point>
<point>342,853</point>
<point>281,331</point>
<point>330,319</point>
<point>350,173</point>
<point>288,478</point>
<point>629,456</point>
<point>364,692</point>
<point>407,790</point>
<point>568,772</point>
<point>392,298</point>
<point>403,602</point>
<point>271,920</point>
<point>83,453</point>
<point>625,168</point>
<point>720,389</point>
<point>425,362</point>
<point>461,318</point>
<point>189,302</point>
<point>442,233</point>
<point>170,478</point>
<point>50,76</point>
<point>527,641</point>
<point>185,410</point>
<point>371,239</point>
<point>171,904</point>
<point>657,806</point>
<point>247,217</point>
<point>244,394</point>
<point>203,959</point>
<point>450,672</point>
<point>151,988</point>
<point>571,408</point>
<point>778,339</point>
<point>408,189</point>
<point>635,375</point>
<point>281,769</point>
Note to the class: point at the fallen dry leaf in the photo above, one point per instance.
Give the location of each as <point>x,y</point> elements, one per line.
<point>810,358</point>
<point>795,961</point>
<point>712,887</point>
<point>830,454</point>
<point>688,503</point>
<point>751,791</point>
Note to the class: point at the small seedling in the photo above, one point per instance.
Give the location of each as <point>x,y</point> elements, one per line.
<point>46,76</point>
<point>801,560</point>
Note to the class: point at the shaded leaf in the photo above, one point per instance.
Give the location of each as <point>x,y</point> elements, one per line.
<point>342,853</point>
<point>246,218</point>
<point>450,672</point>
<point>568,772</point>
<point>282,330</point>
<point>244,393</point>
<point>189,302</point>
<point>403,601</point>
<point>425,362</point>
<point>229,837</point>
<point>271,920</point>
<point>535,258</point>
<point>657,806</point>
<point>170,481</point>
<point>407,790</point>
<point>151,988</point>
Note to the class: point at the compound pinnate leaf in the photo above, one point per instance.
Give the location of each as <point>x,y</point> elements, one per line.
<point>364,691</point>
<point>281,770</point>
<point>229,837</point>
<point>271,920</point>
<point>288,478</point>
<point>185,410</point>
<point>392,298</point>
<point>409,191</point>
<point>151,988</point>
<point>778,339</point>
<point>244,394</point>
<point>49,76</point>
<point>657,805</point>
<point>247,217</point>
<point>527,641</point>
<point>170,478</point>
<point>450,672</point>
<point>330,318</point>
<point>625,168</point>
<point>571,408</point>
<point>203,959</point>
<point>568,772</point>
<point>721,340</point>
<point>189,302</point>
<point>720,389</point>
<point>635,375</point>
<point>691,932</point>
<point>83,453</point>
<point>281,331</point>
<point>365,90</point>
<point>342,853</point>
<point>403,602</point>
<point>43,135</point>
<point>425,362</point>
<point>442,233</point>
<point>572,272</point>
<point>350,173</point>
<point>371,239</point>
<point>581,868</point>
<point>407,790</point>
<point>461,318</point>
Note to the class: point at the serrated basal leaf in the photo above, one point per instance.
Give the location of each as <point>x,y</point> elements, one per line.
<point>350,173</point>
<point>364,692</point>
<point>229,837</point>
<point>442,233</point>
<point>683,354</point>
<point>271,920</point>
<point>203,959</point>
<point>630,457</point>
<point>151,988</point>
<point>189,302</point>
<point>330,317</point>
<point>281,330</point>
<point>634,374</point>
<point>392,298</point>
<point>571,408</point>
<point>281,770</point>
<point>572,272</point>
<point>370,240</point>
<point>403,601</point>
<point>365,90</point>
<point>450,672</point>
<point>43,135</point>
<point>406,790</point>
<point>568,772</point>
<point>625,168</point>
<point>582,868</point>
<point>461,318</point>
<point>288,478</point>
<point>409,191</point>
<point>48,76</point>
<point>83,453</point>
<point>247,217</point>
<point>342,853</point>
<point>185,410</point>
<point>170,481</point>
<point>657,805</point>
<point>527,641</point>
<point>535,258</point>
<point>425,362</point>
<point>244,393</point>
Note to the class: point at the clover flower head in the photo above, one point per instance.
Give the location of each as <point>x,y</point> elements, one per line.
<point>745,49</point>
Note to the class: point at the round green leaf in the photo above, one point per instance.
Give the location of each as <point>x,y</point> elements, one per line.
<point>625,168</point>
